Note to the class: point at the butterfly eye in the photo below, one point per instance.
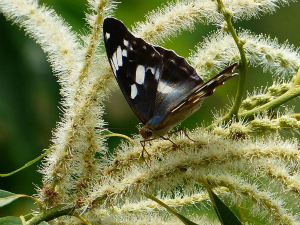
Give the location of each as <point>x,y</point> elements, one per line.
<point>146,133</point>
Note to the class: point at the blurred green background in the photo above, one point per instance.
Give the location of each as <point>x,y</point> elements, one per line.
<point>29,93</point>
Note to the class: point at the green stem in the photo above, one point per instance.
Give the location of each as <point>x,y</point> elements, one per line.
<point>162,204</point>
<point>290,94</point>
<point>51,214</point>
<point>180,217</point>
<point>287,96</point>
<point>119,135</point>
<point>297,116</point>
<point>82,219</point>
<point>211,197</point>
<point>241,213</point>
<point>46,151</point>
<point>243,73</point>
<point>297,79</point>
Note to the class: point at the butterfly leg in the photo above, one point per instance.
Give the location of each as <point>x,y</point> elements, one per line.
<point>144,150</point>
<point>174,144</point>
<point>168,139</point>
<point>181,129</point>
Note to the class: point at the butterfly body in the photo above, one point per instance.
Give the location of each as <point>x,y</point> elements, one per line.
<point>161,87</point>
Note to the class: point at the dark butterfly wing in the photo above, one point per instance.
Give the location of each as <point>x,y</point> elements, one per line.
<point>192,102</point>
<point>136,65</point>
<point>177,81</point>
<point>161,87</point>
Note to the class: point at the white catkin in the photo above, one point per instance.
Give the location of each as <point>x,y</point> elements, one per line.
<point>219,49</point>
<point>169,20</point>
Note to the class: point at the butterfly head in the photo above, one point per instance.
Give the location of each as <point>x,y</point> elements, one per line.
<point>146,132</point>
<point>152,130</point>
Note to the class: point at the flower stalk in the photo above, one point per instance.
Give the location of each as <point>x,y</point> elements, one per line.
<point>268,107</point>
<point>243,67</point>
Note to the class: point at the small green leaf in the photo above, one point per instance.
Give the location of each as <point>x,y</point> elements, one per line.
<point>7,197</point>
<point>10,220</point>
<point>43,223</point>
<point>28,216</point>
<point>4,194</point>
<point>226,216</point>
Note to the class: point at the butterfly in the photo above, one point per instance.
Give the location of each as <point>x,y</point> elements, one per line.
<point>161,88</point>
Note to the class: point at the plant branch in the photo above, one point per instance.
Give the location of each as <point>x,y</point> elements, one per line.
<point>82,219</point>
<point>212,198</point>
<point>180,217</point>
<point>290,94</point>
<point>51,214</point>
<point>243,66</point>
<point>46,151</point>
<point>296,116</point>
<point>297,80</point>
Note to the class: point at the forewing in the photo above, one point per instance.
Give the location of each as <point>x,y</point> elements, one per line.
<point>177,81</point>
<point>136,65</point>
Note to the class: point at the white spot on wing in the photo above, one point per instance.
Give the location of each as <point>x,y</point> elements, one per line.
<point>126,43</point>
<point>113,67</point>
<point>140,74</point>
<point>152,70</point>
<point>124,53</point>
<point>133,92</point>
<point>163,88</point>
<point>107,36</point>
<point>115,61</point>
<point>119,56</point>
